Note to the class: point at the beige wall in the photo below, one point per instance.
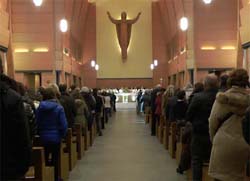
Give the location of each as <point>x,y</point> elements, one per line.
<point>140,48</point>
<point>245,19</point>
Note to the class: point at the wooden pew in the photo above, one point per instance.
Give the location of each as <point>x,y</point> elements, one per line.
<point>166,135</point>
<point>64,162</point>
<point>172,140</point>
<point>38,170</point>
<point>205,176</point>
<point>71,149</point>
<point>179,146</point>
<point>161,129</point>
<point>92,133</point>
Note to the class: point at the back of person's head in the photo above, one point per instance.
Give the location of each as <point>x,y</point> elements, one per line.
<point>238,77</point>
<point>223,80</point>
<point>55,88</point>
<point>211,82</point>
<point>21,89</point>
<point>181,94</point>
<point>63,88</point>
<point>72,87</point>
<point>95,91</point>
<point>9,81</point>
<point>48,94</point>
<point>170,91</point>
<point>85,90</point>
<point>76,94</point>
<point>198,87</point>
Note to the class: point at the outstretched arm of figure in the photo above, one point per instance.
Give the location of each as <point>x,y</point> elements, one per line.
<point>112,19</point>
<point>136,19</point>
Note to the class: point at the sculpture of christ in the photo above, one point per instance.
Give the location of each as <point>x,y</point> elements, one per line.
<point>123,29</point>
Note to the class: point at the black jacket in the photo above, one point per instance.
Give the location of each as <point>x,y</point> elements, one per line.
<point>15,136</point>
<point>199,111</point>
<point>170,109</point>
<point>69,106</point>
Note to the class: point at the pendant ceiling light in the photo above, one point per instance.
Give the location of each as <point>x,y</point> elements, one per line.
<point>63,25</point>
<point>38,2</point>
<point>184,23</point>
<point>207,1</point>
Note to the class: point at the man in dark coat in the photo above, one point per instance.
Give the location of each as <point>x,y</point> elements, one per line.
<point>198,114</point>
<point>68,104</point>
<point>15,138</point>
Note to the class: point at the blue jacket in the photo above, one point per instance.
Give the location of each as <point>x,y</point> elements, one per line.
<point>51,122</point>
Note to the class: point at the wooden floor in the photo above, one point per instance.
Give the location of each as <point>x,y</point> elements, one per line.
<point>126,152</point>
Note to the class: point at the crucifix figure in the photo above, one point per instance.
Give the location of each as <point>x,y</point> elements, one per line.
<point>123,29</point>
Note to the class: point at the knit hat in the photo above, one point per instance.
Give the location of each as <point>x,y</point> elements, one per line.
<point>85,89</point>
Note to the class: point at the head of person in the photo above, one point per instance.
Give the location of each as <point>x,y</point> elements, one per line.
<point>223,80</point>
<point>85,90</point>
<point>124,15</point>
<point>238,77</point>
<point>95,91</point>
<point>63,88</point>
<point>21,88</point>
<point>55,88</point>
<point>198,87</point>
<point>76,94</point>
<point>181,95</point>
<point>49,94</point>
<point>211,82</point>
<point>170,91</point>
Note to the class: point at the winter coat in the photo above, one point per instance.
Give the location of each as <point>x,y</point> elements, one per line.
<point>69,108</point>
<point>169,108</point>
<point>199,110</point>
<point>230,150</point>
<point>29,110</point>
<point>15,141</point>
<point>82,112</point>
<point>51,122</point>
<point>179,110</point>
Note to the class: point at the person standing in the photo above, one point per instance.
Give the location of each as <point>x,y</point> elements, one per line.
<point>68,104</point>
<point>230,150</point>
<point>15,136</point>
<point>198,113</point>
<point>98,110</point>
<point>52,127</point>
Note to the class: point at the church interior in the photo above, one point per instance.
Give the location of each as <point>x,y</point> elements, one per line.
<point>124,49</point>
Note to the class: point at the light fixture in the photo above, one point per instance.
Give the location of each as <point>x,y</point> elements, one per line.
<point>92,63</point>
<point>155,63</point>
<point>96,67</point>
<point>184,23</point>
<point>40,50</point>
<point>228,48</point>
<point>38,2</point>
<point>207,1</point>
<point>208,48</point>
<point>21,50</point>
<point>63,25</point>
<point>152,66</point>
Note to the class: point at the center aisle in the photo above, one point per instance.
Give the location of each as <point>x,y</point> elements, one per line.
<point>126,152</point>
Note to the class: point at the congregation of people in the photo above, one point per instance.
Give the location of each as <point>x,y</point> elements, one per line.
<point>215,120</point>
<point>47,113</point>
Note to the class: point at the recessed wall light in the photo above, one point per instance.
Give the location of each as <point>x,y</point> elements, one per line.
<point>208,48</point>
<point>21,50</point>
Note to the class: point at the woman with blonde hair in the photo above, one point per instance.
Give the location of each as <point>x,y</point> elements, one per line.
<point>170,91</point>
<point>230,150</point>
